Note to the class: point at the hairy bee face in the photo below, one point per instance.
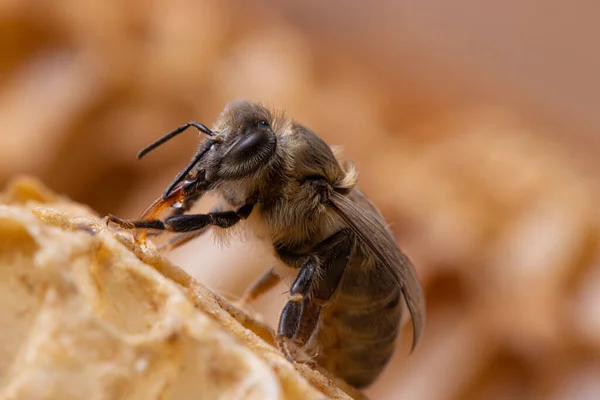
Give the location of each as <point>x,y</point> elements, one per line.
<point>248,141</point>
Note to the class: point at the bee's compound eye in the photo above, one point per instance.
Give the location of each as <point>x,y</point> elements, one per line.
<point>263,124</point>
<point>249,151</point>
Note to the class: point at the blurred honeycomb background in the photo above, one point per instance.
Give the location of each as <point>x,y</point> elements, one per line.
<point>473,128</point>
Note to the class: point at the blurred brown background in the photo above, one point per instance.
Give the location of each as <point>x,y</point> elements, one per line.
<point>474,128</point>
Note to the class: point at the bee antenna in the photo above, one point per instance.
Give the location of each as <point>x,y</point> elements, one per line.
<point>207,146</point>
<point>171,135</point>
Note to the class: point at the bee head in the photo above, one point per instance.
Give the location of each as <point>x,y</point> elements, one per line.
<point>248,140</point>
<point>241,143</point>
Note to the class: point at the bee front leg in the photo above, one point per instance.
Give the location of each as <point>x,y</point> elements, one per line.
<point>185,237</point>
<point>186,204</point>
<point>188,222</point>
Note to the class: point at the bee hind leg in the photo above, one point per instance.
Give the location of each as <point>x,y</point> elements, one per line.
<point>318,279</point>
<point>296,325</point>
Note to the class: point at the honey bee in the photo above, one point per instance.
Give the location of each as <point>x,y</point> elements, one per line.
<point>347,275</point>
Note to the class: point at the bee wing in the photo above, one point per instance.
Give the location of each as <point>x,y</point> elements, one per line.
<point>371,230</point>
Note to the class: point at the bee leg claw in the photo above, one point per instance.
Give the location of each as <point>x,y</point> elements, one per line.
<point>118,221</point>
<point>282,343</point>
<point>290,350</point>
<point>241,303</point>
<point>310,363</point>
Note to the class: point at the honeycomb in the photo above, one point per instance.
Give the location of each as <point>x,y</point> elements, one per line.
<point>87,313</point>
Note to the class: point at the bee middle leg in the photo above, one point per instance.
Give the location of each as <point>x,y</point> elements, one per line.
<point>320,275</point>
<point>263,284</point>
<point>181,239</point>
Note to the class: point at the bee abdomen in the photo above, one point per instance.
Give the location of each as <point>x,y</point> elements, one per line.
<point>356,339</point>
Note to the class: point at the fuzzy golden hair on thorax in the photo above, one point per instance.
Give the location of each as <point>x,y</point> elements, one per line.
<point>350,177</point>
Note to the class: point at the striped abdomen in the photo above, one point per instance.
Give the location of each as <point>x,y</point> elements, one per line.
<point>357,332</point>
